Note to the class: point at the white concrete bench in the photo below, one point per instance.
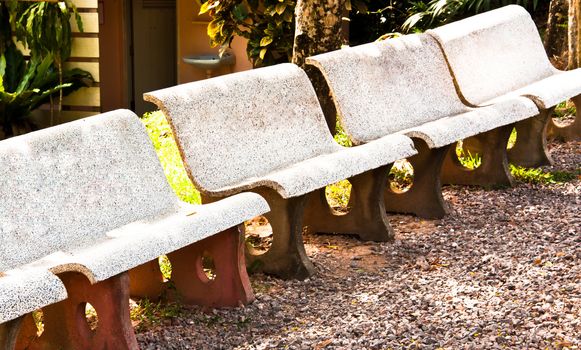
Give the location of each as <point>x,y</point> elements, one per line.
<point>498,55</point>
<point>264,131</point>
<point>404,86</point>
<point>82,204</point>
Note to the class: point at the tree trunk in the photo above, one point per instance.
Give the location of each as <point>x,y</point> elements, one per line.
<point>556,35</point>
<point>318,30</point>
<point>574,34</point>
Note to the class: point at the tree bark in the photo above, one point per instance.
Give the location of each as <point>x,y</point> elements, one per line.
<point>574,34</point>
<point>318,30</point>
<point>556,35</point>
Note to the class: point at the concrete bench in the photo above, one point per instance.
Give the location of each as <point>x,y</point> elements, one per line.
<point>498,55</point>
<point>82,204</point>
<point>404,86</point>
<point>264,131</point>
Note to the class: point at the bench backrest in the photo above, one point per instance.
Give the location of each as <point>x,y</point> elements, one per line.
<point>388,86</point>
<point>494,53</point>
<point>68,185</point>
<point>243,125</point>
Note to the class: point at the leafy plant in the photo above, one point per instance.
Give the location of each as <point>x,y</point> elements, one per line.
<point>45,28</point>
<point>26,86</point>
<point>425,15</point>
<point>267,24</point>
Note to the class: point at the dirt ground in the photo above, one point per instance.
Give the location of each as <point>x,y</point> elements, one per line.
<point>501,271</point>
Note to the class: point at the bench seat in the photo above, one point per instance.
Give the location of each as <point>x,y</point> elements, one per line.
<point>24,291</point>
<point>549,91</point>
<point>312,174</point>
<point>139,242</point>
<point>448,130</point>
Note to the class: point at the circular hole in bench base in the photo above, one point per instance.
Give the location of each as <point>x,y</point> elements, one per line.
<point>401,176</point>
<point>564,114</point>
<point>467,159</point>
<point>337,196</point>
<point>258,235</point>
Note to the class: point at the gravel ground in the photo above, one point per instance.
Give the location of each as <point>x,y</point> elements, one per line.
<point>501,271</point>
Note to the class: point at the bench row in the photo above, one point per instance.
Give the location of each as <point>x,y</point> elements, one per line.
<point>264,130</point>
<point>85,202</point>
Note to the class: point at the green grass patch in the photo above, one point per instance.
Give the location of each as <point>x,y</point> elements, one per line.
<point>539,176</point>
<point>466,158</point>
<point>146,314</point>
<point>162,137</point>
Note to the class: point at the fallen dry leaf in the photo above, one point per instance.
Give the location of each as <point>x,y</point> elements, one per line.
<point>323,344</point>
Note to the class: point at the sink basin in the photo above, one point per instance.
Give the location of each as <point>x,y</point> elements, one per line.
<point>210,62</point>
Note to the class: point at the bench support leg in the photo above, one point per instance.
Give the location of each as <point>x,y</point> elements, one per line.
<point>570,132</point>
<point>146,281</point>
<point>493,171</point>
<point>286,257</point>
<point>65,325</point>
<point>230,285</point>
<point>366,218</point>
<point>424,198</point>
<point>9,333</point>
<point>530,149</point>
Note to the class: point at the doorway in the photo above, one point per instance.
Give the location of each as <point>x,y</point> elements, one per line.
<point>137,44</point>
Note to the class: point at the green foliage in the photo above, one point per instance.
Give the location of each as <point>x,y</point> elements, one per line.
<point>467,159</point>
<point>168,153</point>
<point>28,85</point>
<point>146,314</point>
<point>44,27</point>
<point>565,110</point>
<point>267,24</point>
<point>338,195</point>
<point>433,13</point>
<point>512,139</point>
<point>539,176</point>
<point>401,176</point>
<point>165,267</point>
<point>341,137</point>
<point>25,85</point>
